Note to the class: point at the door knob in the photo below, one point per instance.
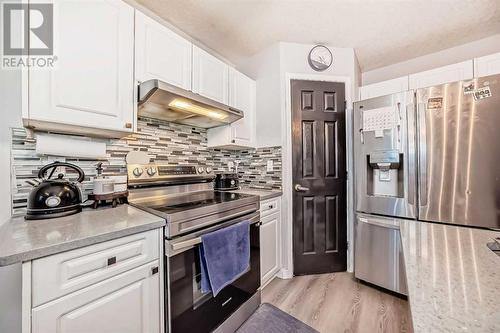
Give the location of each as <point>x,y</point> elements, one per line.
<point>300,188</point>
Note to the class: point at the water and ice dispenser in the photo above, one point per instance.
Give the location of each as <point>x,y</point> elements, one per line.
<point>384,173</point>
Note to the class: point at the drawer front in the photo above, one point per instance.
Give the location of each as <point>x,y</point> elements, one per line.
<point>270,206</point>
<point>63,273</point>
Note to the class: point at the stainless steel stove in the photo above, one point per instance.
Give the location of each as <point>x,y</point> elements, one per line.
<point>185,198</point>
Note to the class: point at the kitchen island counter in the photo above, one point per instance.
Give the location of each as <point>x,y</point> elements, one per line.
<point>453,277</point>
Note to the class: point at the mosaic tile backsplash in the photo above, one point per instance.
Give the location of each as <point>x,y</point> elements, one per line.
<point>164,142</point>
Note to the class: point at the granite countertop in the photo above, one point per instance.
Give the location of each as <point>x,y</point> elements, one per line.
<point>453,277</point>
<point>22,240</point>
<point>262,193</point>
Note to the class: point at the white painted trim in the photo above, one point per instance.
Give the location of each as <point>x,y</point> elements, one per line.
<point>161,266</point>
<point>26,297</point>
<point>287,237</point>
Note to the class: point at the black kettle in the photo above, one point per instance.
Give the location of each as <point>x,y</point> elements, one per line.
<point>56,197</point>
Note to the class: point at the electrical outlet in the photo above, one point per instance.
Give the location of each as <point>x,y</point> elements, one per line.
<point>270,166</point>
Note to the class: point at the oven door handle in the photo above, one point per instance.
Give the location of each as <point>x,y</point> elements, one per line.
<point>188,243</point>
<point>194,241</point>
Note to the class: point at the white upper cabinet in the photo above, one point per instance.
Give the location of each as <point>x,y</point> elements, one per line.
<point>242,96</point>
<point>210,76</point>
<point>383,88</point>
<point>161,54</point>
<point>92,85</point>
<point>450,73</point>
<point>488,65</point>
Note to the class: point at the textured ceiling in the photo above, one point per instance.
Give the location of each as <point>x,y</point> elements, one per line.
<point>381,32</point>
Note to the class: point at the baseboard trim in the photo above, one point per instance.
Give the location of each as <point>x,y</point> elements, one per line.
<point>285,274</point>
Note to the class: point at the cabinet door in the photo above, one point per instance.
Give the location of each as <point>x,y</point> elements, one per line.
<point>161,54</point>
<point>210,76</point>
<point>242,97</point>
<point>270,247</point>
<point>92,84</point>
<point>488,65</point>
<point>129,302</point>
<point>450,73</point>
<point>383,88</point>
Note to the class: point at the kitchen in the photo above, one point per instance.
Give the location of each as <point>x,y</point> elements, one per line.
<point>214,166</point>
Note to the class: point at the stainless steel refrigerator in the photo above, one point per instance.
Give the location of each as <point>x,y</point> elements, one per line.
<point>431,155</point>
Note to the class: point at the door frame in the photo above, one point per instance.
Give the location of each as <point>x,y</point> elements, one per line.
<point>287,207</point>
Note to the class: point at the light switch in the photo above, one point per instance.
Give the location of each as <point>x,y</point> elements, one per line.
<point>270,166</point>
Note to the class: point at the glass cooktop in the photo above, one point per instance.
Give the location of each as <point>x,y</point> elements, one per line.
<point>193,201</point>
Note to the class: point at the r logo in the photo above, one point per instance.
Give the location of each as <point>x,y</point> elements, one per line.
<point>28,29</point>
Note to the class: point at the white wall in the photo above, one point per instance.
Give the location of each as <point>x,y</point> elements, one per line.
<point>264,68</point>
<point>270,69</point>
<point>449,56</point>
<point>10,276</point>
<point>294,61</point>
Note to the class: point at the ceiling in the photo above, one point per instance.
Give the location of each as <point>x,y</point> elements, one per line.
<point>382,32</point>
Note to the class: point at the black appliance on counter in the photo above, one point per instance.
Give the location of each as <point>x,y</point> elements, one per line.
<point>226,182</point>
<point>54,197</point>
<point>184,196</point>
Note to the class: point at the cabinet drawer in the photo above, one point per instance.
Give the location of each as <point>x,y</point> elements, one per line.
<point>270,206</point>
<point>128,302</point>
<point>63,273</point>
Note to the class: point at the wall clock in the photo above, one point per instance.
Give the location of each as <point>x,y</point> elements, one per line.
<point>320,58</point>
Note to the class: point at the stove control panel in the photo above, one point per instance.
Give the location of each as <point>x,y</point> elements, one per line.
<point>139,173</point>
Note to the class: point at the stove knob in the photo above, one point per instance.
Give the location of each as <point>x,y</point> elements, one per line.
<point>151,172</point>
<point>138,172</point>
<point>201,170</point>
<point>209,169</point>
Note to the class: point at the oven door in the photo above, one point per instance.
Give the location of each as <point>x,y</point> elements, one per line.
<point>191,310</point>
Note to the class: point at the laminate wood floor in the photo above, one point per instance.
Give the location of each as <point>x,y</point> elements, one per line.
<point>337,302</point>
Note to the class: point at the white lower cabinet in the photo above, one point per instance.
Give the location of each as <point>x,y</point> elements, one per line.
<point>129,302</point>
<point>270,241</point>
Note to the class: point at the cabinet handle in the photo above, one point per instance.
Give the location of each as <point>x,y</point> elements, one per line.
<point>154,270</point>
<point>128,125</point>
<point>271,207</point>
<point>111,261</point>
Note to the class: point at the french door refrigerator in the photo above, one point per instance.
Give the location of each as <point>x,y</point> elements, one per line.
<point>385,186</point>
<point>431,155</point>
<point>459,152</point>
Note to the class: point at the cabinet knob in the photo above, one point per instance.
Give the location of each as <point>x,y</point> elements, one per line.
<point>128,125</point>
<point>233,141</point>
<point>111,261</point>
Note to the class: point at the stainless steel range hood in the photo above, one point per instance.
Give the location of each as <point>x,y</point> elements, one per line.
<point>161,100</point>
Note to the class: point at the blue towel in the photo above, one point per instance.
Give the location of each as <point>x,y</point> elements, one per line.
<point>224,256</point>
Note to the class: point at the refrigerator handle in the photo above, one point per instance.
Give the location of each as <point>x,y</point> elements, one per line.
<point>399,122</point>
<point>422,154</point>
<point>362,136</point>
<point>410,144</point>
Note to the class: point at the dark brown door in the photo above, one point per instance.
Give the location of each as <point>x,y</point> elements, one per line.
<point>319,177</point>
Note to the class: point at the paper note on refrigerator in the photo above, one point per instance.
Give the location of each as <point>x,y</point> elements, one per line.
<point>379,119</point>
